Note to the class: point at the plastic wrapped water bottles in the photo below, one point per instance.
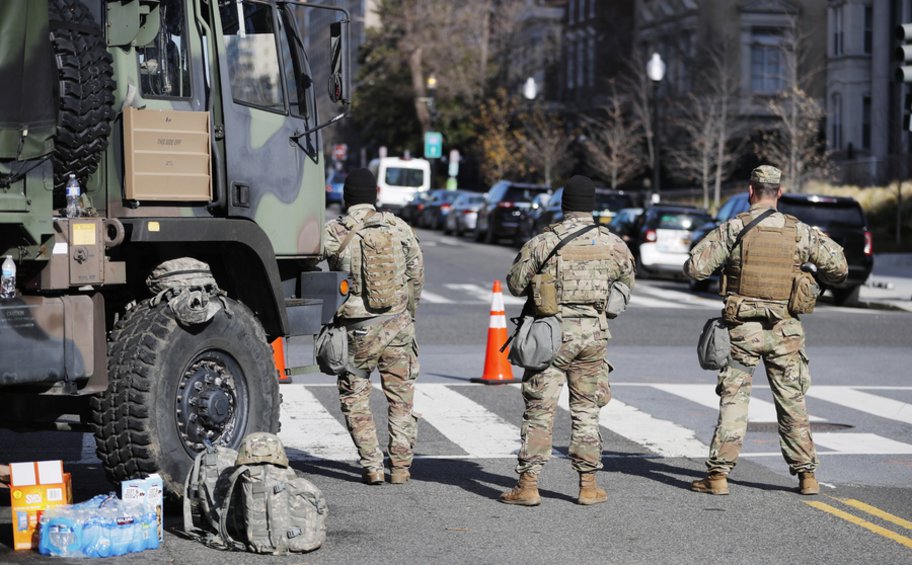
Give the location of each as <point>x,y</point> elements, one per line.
<point>72,198</point>
<point>104,526</point>
<point>8,278</point>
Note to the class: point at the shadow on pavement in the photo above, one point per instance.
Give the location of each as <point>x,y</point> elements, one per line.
<point>654,469</point>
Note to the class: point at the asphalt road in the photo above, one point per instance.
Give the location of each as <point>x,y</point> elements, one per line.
<point>654,432</point>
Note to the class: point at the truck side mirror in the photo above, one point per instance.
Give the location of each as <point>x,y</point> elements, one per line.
<point>339,72</point>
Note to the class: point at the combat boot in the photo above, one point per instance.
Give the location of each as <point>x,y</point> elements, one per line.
<point>399,476</point>
<point>589,492</point>
<point>370,477</point>
<point>525,493</point>
<point>807,483</point>
<point>714,483</point>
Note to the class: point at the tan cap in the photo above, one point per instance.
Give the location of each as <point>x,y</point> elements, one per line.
<point>766,173</point>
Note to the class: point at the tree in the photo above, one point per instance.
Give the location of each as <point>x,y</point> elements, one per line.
<point>614,141</point>
<point>637,86</point>
<point>795,144</point>
<point>545,143</point>
<point>695,155</point>
<point>498,145</point>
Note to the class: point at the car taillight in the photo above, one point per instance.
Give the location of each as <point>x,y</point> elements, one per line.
<point>444,206</point>
<point>869,243</point>
<point>420,207</point>
<point>504,204</point>
<point>650,235</point>
<point>329,188</point>
<point>467,212</point>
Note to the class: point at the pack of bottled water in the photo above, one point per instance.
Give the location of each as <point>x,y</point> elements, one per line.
<point>103,526</point>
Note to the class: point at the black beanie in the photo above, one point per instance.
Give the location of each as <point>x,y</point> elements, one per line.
<point>579,195</point>
<point>360,188</point>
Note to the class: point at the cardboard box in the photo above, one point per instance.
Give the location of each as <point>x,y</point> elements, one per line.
<point>150,490</point>
<point>34,487</point>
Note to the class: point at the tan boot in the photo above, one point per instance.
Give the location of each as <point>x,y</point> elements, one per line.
<point>525,493</point>
<point>589,492</point>
<point>370,477</point>
<point>714,483</point>
<point>399,476</point>
<point>807,483</point>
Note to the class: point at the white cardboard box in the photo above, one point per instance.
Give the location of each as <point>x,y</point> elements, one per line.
<point>150,490</point>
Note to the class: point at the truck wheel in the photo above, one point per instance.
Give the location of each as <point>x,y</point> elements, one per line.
<point>172,388</point>
<point>843,296</point>
<point>86,99</point>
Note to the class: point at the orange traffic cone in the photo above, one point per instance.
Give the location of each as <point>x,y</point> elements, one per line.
<point>278,355</point>
<point>497,369</point>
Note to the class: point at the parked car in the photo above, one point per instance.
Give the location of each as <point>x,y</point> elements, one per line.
<point>663,239</point>
<point>464,213</point>
<point>334,184</point>
<point>607,203</point>
<point>503,209</point>
<point>438,208</point>
<point>624,224</point>
<point>414,207</point>
<point>530,223</point>
<point>842,219</point>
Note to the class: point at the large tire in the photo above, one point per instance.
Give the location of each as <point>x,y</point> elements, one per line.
<point>163,377</point>
<point>86,91</point>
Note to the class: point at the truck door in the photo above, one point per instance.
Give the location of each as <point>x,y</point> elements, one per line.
<point>274,175</point>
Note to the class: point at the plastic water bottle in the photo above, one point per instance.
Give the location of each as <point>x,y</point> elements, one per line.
<point>8,278</point>
<point>72,198</point>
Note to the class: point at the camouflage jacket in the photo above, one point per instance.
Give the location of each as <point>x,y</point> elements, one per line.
<point>530,258</point>
<point>715,250</point>
<point>334,234</point>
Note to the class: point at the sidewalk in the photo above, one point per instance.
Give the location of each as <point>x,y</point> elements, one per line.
<point>890,285</point>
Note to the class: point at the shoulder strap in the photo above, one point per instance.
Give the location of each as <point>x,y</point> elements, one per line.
<point>351,233</point>
<point>564,242</point>
<point>223,519</point>
<point>750,226</point>
<point>189,527</point>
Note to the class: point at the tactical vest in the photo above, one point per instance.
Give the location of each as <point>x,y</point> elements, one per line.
<point>377,262</point>
<point>584,269</point>
<point>767,264</point>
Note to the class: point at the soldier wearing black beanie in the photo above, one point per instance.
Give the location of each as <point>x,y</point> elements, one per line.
<point>579,195</point>
<point>360,188</point>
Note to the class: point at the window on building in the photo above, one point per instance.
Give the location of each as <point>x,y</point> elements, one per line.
<point>253,59</point>
<point>866,122</point>
<point>837,31</point>
<point>836,113</point>
<point>580,62</point>
<point>868,28</point>
<point>766,61</point>
<point>590,67</point>
<point>570,6</point>
<point>571,59</point>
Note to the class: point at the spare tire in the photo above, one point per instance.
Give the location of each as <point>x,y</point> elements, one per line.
<point>86,92</point>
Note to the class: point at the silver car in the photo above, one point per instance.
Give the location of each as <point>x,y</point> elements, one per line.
<point>464,213</point>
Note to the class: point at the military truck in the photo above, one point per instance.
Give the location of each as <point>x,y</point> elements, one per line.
<point>192,128</point>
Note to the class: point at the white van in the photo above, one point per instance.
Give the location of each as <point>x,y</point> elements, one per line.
<point>399,179</point>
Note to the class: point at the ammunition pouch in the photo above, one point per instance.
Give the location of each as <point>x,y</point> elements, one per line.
<point>805,291</point>
<point>544,294</point>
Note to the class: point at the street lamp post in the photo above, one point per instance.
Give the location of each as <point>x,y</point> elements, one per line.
<point>431,85</point>
<point>655,70</point>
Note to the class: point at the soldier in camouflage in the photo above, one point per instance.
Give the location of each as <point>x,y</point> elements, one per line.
<point>583,270</point>
<point>758,275</point>
<point>381,338</point>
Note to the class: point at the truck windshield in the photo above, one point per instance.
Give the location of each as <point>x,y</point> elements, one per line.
<point>398,176</point>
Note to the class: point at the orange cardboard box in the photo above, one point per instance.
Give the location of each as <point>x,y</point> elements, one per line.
<point>35,487</point>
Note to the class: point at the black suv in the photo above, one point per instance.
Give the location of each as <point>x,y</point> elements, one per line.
<point>504,206</point>
<point>607,203</point>
<point>841,218</point>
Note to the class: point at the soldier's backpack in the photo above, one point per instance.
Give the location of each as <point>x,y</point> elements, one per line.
<point>257,503</point>
<point>378,264</point>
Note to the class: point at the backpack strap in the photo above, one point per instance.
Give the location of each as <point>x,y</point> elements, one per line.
<point>751,225</point>
<point>229,541</point>
<point>189,527</point>
<point>356,227</point>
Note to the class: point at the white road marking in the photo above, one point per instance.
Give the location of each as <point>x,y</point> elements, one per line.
<point>427,296</point>
<point>308,427</point>
<point>864,402</point>
<point>705,395</point>
<point>678,296</point>
<point>861,444</point>
<point>639,300</point>
<point>482,293</point>
<point>475,429</point>
<point>659,436</point>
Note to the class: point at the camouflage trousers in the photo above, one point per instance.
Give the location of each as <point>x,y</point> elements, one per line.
<point>390,347</point>
<point>581,363</point>
<point>781,346</point>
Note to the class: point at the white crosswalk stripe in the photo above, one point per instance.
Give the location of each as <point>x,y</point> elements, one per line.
<point>310,430</point>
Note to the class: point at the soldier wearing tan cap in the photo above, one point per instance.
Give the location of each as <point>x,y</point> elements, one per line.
<point>765,258</point>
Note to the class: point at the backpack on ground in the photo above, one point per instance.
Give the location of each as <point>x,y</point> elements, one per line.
<point>253,501</point>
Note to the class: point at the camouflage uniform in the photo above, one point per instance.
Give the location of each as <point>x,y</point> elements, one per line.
<point>764,329</point>
<point>581,359</point>
<point>387,344</point>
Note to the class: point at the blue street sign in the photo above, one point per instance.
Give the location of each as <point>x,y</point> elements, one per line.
<point>433,145</point>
